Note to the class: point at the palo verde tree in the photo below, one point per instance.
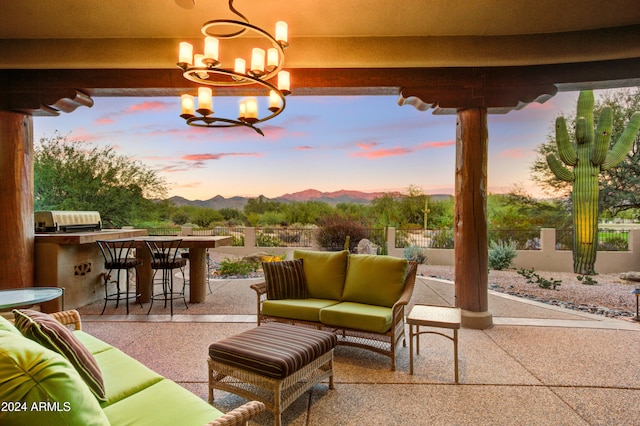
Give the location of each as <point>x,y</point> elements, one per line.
<point>588,156</point>
<point>72,175</point>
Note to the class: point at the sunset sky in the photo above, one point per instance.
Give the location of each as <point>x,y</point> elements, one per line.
<point>365,143</point>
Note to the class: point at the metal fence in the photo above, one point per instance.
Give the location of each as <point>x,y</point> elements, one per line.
<point>284,237</point>
<point>429,238</point>
<point>608,239</point>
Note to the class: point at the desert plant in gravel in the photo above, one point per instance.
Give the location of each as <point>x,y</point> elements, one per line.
<point>587,157</point>
<point>533,278</point>
<point>501,254</point>
<point>237,267</point>
<point>415,254</point>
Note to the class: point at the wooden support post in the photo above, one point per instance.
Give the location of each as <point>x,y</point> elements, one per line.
<point>471,247</point>
<point>16,200</point>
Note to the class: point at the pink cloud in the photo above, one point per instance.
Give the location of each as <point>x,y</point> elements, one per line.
<point>148,106</point>
<point>381,153</point>
<point>80,134</point>
<point>366,145</point>
<point>304,148</point>
<point>200,158</point>
<point>104,120</point>
<point>439,144</point>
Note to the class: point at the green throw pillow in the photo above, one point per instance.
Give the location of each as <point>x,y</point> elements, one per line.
<point>375,280</point>
<point>51,334</point>
<point>40,387</point>
<point>285,279</point>
<point>325,272</point>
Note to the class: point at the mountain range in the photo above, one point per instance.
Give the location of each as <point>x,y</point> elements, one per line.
<point>331,198</point>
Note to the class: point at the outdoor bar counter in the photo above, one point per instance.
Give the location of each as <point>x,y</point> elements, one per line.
<point>73,260</point>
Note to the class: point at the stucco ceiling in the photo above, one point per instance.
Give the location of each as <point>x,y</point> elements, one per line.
<point>326,34</point>
<point>446,54</point>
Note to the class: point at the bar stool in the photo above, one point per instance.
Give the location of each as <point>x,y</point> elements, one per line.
<point>165,255</point>
<point>118,257</point>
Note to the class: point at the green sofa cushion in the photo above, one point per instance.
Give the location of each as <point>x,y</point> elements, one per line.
<point>50,333</point>
<point>6,325</point>
<point>358,316</point>
<point>164,403</point>
<point>375,280</point>
<point>325,272</point>
<point>93,344</point>
<point>285,279</point>
<point>299,309</point>
<point>123,375</point>
<point>45,384</point>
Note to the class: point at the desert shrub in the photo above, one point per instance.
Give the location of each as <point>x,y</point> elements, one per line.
<point>334,229</point>
<point>501,254</point>
<point>614,243</point>
<point>237,267</point>
<point>442,239</point>
<point>264,239</point>
<point>415,254</point>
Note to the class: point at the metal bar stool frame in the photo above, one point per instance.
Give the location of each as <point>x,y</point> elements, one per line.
<point>165,257</point>
<point>118,256</point>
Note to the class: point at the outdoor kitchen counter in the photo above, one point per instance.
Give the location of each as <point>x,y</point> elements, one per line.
<point>73,260</point>
<point>88,237</point>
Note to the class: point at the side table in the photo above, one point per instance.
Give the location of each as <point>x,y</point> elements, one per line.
<point>29,296</point>
<point>433,316</point>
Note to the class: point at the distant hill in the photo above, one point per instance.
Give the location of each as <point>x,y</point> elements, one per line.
<point>331,198</point>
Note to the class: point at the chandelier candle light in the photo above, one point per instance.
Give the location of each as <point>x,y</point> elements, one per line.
<point>207,69</point>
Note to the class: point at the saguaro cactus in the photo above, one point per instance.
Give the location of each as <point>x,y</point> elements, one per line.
<point>588,155</point>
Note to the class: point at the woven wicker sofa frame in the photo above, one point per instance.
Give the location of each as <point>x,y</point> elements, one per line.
<point>236,417</point>
<point>382,343</point>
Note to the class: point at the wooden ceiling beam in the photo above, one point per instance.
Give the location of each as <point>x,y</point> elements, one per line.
<point>500,88</point>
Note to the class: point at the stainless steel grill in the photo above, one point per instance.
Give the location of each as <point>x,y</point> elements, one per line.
<point>67,221</point>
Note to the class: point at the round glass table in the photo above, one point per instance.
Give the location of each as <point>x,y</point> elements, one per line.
<point>13,297</point>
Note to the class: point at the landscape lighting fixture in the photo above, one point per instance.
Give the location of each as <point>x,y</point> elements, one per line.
<point>265,62</point>
<point>636,292</point>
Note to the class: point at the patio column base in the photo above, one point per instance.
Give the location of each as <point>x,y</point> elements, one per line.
<point>477,320</point>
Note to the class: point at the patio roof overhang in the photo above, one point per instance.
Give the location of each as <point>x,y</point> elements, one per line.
<point>470,58</point>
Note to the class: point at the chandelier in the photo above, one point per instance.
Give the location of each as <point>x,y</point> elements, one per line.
<point>206,68</point>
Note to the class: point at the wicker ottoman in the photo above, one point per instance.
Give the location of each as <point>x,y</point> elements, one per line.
<point>274,363</point>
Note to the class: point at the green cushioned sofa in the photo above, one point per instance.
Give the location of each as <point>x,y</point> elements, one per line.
<point>361,298</point>
<point>39,386</point>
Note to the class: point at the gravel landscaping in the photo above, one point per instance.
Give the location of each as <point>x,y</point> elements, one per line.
<point>610,297</point>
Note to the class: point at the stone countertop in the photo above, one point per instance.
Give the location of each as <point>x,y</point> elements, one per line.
<point>88,237</point>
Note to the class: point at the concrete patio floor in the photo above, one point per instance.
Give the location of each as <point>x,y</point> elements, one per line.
<point>539,364</point>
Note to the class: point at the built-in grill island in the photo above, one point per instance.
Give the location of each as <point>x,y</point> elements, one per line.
<point>66,254</point>
<point>67,221</point>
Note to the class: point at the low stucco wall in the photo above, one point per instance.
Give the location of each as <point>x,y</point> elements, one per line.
<point>545,259</point>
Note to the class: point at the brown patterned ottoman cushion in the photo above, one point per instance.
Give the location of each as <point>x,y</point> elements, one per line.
<point>273,350</point>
